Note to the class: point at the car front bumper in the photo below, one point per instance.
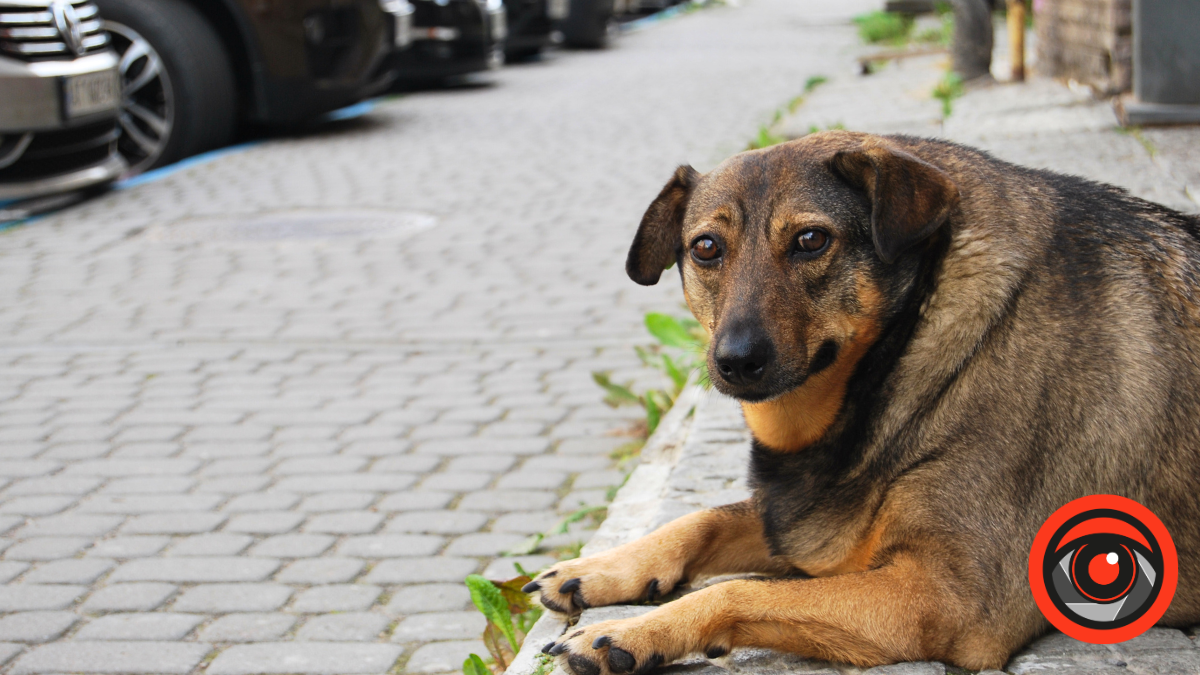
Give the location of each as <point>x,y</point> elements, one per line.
<point>102,172</point>
<point>34,95</point>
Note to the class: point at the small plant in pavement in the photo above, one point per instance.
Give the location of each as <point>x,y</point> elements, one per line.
<point>510,613</point>
<point>887,28</point>
<point>950,88</point>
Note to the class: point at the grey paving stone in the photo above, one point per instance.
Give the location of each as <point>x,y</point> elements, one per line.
<point>247,628</point>
<point>369,482</point>
<point>128,547</point>
<point>293,546</point>
<point>9,522</point>
<point>132,467</point>
<point>320,465</point>
<point>439,522</point>
<point>35,626</point>
<point>143,485</point>
<point>196,570</point>
<point>581,499</point>
<point>8,650</point>
<point>429,598</point>
<point>507,500</point>
<point>53,485</point>
<point>502,569</point>
<point>598,479</point>
<point>31,597</point>
<point>483,544</point>
<point>590,446</point>
<point>531,479</point>
<point>389,546</point>
<point>406,463</point>
<point>174,523</point>
<point>443,657</point>
<point>272,522</point>
<point>337,598</point>
<point>318,658</point>
<point>344,522</point>
<point>1165,663</point>
<point>46,548</point>
<point>480,446</point>
<point>10,570</point>
<point>464,481</point>
<point>68,571</point>
<point>420,570</point>
<point>218,544</point>
<point>235,485</point>
<point>528,522</point>
<point>321,571</point>
<point>348,627</point>
<point>70,525</point>
<point>136,597</point>
<point>41,505</point>
<point>461,625</point>
<point>337,501</point>
<point>148,626</point>
<point>112,657</point>
<point>491,463</point>
<point>219,598</point>
<point>262,501</point>
<point>415,500</point>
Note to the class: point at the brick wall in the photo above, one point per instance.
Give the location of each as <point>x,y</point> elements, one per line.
<point>1086,40</point>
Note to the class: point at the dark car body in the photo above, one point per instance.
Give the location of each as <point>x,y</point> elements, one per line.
<point>284,72</point>
<point>530,25</point>
<point>450,38</point>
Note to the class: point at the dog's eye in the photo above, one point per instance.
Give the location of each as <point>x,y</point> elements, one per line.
<point>811,241</point>
<point>705,249</point>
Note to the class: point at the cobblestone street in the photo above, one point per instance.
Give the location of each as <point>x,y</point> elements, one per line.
<point>264,415</point>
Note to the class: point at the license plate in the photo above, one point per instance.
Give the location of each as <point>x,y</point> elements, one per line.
<point>556,9</point>
<point>91,93</point>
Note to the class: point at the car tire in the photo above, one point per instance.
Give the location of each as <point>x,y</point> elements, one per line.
<point>178,90</point>
<point>588,24</point>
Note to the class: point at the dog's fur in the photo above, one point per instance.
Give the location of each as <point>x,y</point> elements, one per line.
<point>978,345</point>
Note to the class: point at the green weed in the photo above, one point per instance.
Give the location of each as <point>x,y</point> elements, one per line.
<point>765,138</point>
<point>1136,133</point>
<point>884,28</point>
<point>510,613</point>
<point>950,88</point>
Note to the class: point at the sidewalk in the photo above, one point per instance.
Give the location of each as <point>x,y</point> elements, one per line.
<point>699,461</point>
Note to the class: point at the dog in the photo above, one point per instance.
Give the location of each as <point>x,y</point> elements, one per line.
<point>934,350</point>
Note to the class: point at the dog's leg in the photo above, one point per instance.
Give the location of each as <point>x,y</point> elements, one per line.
<point>890,614</point>
<point>724,540</point>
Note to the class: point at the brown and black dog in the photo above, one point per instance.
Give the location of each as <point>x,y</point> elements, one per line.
<point>934,351</point>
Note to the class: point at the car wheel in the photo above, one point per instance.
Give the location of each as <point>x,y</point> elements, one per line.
<point>178,92</point>
<point>589,25</point>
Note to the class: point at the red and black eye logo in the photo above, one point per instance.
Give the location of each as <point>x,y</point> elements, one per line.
<point>1103,569</point>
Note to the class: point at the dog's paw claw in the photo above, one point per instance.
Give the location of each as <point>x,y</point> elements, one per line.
<point>582,666</point>
<point>620,661</point>
<point>570,586</point>
<point>547,647</point>
<point>601,641</point>
<point>557,648</point>
<point>531,587</point>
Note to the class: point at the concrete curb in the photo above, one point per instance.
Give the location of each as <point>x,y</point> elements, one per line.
<point>629,516</point>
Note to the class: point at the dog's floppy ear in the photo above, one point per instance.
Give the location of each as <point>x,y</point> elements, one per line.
<point>658,239</point>
<point>910,198</point>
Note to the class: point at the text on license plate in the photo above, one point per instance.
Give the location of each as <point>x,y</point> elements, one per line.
<point>91,93</point>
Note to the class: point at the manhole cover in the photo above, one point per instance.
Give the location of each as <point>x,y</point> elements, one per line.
<point>293,225</point>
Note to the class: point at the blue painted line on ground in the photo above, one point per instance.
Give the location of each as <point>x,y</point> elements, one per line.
<point>351,111</point>
<point>170,169</point>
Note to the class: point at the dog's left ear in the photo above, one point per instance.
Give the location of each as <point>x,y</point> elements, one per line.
<point>659,237</point>
<point>910,198</point>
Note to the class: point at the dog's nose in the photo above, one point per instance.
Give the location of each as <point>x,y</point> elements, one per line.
<point>742,355</point>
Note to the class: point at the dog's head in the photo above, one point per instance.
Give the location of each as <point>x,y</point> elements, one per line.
<point>794,256</point>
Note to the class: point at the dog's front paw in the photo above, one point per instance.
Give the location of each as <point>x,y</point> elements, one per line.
<point>616,648</point>
<point>574,585</point>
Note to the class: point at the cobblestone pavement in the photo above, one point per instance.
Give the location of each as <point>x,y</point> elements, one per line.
<point>263,416</point>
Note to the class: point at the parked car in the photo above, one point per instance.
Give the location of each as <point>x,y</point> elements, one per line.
<point>192,71</point>
<point>59,98</point>
<point>531,24</point>
<point>451,38</point>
